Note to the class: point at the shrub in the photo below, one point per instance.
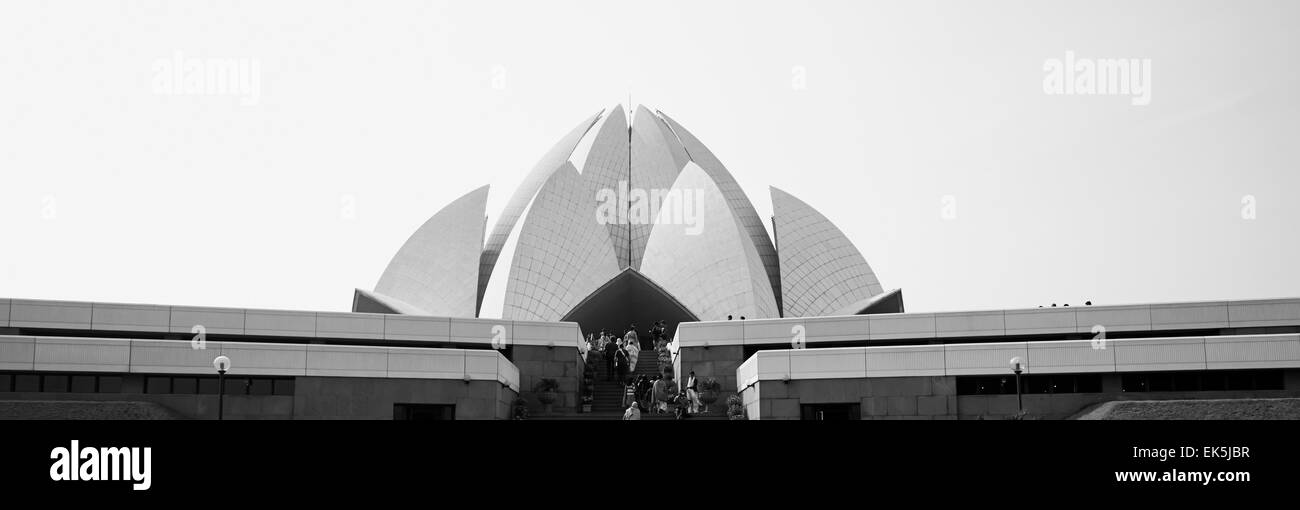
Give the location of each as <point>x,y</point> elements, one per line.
<point>735,407</point>
<point>545,385</point>
<point>521,409</point>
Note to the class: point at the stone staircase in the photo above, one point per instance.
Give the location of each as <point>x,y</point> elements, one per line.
<point>609,394</point>
<point>608,398</point>
<point>607,403</point>
<point>647,364</point>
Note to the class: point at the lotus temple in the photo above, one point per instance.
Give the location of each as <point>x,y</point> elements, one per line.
<point>583,240</point>
<point>629,219</point>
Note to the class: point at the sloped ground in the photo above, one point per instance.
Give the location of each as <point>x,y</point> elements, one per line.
<point>83,410</point>
<point>1214,409</point>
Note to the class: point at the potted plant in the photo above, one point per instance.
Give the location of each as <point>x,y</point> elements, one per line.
<point>735,408</point>
<point>521,409</point>
<point>588,388</point>
<point>545,390</point>
<point>709,389</point>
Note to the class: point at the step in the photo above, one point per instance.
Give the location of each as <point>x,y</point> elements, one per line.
<point>581,416</point>
<point>616,416</point>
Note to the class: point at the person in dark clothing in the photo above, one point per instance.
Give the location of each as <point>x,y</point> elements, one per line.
<point>621,363</point>
<point>654,406</point>
<point>681,413</point>
<point>656,330</point>
<point>643,391</point>
<point>610,349</point>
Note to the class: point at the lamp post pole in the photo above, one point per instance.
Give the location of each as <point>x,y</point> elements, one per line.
<point>1016,367</point>
<point>222,364</point>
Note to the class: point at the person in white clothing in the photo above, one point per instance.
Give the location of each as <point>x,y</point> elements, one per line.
<point>633,412</point>
<point>632,347</point>
<point>692,393</point>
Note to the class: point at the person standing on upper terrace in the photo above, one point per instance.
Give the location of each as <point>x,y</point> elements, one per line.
<point>633,348</point>
<point>621,362</point>
<point>630,337</point>
<point>648,343</point>
<point>611,348</point>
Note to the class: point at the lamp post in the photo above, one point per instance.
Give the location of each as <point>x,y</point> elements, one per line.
<point>222,364</point>
<point>1016,366</point>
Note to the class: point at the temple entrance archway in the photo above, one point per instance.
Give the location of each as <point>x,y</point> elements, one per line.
<point>629,298</point>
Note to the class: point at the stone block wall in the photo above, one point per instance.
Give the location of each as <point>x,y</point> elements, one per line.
<point>888,398</point>
<point>935,398</point>
<point>359,398</point>
<point>563,364</point>
<point>197,407</point>
<point>719,362</point>
<point>348,398</point>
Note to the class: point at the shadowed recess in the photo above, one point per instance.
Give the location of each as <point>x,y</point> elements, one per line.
<point>625,299</point>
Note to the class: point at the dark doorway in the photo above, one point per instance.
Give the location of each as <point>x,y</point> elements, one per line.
<point>625,299</point>
<point>424,412</point>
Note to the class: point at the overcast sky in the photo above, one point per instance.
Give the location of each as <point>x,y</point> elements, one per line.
<point>367,117</point>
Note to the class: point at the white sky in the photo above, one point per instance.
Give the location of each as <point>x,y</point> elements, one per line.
<point>111,192</point>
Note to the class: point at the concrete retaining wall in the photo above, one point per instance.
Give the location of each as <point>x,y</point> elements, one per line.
<point>935,398</point>
<point>353,398</point>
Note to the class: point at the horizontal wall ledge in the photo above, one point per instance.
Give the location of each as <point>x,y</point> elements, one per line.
<point>1011,323</point>
<point>289,325</point>
<point>147,356</point>
<point>1068,356</point>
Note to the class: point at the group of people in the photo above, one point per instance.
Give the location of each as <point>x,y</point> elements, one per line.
<point>643,393</point>
<point>622,353</point>
<point>660,391</point>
